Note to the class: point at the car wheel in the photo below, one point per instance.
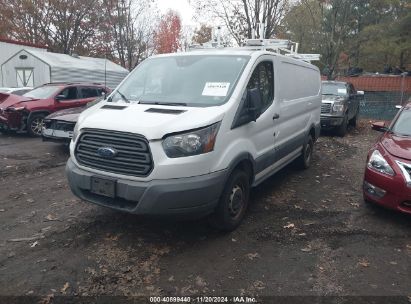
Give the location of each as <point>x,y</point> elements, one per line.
<point>35,124</point>
<point>304,161</point>
<point>353,121</point>
<point>233,202</point>
<point>342,129</point>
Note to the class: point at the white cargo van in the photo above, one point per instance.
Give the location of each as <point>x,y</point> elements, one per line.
<point>190,133</point>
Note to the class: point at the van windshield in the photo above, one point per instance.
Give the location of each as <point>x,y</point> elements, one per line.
<point>194,80</point>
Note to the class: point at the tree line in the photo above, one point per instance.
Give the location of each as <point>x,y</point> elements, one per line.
<point>125,31</point>
<point>350,35</point>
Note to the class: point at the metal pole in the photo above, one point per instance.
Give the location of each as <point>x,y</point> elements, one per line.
<point>403,85</point>
<point>105,70</point>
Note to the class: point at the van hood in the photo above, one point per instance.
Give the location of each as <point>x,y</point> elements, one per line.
<point>7,100</point>
<point>151,121</point>
<point>399,146</point>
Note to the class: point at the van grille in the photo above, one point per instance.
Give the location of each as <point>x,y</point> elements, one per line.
<point>133,155</point>
<point>325,108</point>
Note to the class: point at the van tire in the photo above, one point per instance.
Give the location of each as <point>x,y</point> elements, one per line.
<point>304,161</point>
<point>34,123</point>
<point>342,129</point>
<point>233,202</point>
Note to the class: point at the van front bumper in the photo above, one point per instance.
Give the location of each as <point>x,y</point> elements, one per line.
<point>181,197</point>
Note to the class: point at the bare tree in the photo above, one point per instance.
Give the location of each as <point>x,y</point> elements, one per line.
<point>242,16</point>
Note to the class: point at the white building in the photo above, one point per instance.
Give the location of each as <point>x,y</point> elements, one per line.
<point>33,68</point>
<point>10,47</point>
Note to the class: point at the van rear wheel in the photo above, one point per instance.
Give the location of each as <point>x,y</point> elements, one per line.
<point>304,161</point>
<point>233,202</point>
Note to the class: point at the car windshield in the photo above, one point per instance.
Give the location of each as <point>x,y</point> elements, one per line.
<point>403,124</point>
<point>42,92</point>
<point>194,80</point>
<point>337,89</point>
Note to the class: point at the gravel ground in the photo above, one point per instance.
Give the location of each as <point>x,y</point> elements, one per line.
<point>307,233</point>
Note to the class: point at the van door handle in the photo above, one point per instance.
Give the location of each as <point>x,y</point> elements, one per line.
<point>276,116</point>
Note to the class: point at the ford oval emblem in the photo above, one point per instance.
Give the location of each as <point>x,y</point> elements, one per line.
<point>107,152</point>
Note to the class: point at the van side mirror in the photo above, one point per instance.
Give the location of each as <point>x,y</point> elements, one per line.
<point>254,103</point>
<point>379,126</point>
<point>250,108</point>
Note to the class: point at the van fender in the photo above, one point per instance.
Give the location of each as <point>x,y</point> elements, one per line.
<point>242,154</point>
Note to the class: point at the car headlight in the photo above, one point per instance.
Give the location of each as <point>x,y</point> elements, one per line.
<point>191,143</point>
<point>378,163</point>
<point>75,132</point>
<point>338,107</point>
<point>15,109</point>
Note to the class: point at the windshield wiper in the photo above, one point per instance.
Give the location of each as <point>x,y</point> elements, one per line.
<point>164,103</point>
<point>123,97</point>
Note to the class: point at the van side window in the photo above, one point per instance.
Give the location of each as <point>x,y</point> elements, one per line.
<point>263,80</point>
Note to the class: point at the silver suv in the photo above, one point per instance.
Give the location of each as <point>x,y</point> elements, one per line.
<point>340,106</point>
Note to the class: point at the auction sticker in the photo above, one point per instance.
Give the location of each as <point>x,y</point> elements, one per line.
<point>216,89</point>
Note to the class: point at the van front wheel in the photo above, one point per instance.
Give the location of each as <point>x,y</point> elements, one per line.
<point>233,202</point>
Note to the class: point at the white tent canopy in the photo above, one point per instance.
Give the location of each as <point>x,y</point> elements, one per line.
<point>64,68</point>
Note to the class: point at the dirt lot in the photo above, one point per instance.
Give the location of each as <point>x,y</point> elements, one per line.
<point>306,233</point>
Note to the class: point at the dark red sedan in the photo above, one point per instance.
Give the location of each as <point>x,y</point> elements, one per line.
<point>387,179</point>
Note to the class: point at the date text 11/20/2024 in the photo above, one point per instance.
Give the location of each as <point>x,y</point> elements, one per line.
<point>203,299</point>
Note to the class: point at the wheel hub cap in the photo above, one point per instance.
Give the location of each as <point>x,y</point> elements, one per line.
<point>236,201</point>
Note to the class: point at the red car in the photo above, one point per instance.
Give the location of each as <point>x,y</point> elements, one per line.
<point>387,179</point>
<point>20,113</point>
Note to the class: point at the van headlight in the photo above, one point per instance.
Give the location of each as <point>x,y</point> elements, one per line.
<point>75,132</point>
<point>191,143</point>
<point>378,163</point>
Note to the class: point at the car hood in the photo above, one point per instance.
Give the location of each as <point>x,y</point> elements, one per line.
<point>399,146</point>
<point>7,100</point>
<point>151,121</point>
<point>70,115</point>
<point>332,98</point>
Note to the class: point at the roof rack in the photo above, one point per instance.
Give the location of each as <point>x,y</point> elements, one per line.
<point>280,46</point>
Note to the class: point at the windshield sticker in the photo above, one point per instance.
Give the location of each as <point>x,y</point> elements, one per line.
<point>342,91</point>
<point>216,89</point>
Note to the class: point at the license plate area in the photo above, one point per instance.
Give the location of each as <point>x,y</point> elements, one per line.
<point>102,186</point>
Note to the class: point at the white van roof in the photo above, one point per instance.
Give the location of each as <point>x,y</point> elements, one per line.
<point>239,51</point>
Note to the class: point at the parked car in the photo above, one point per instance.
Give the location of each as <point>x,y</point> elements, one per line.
<point>189,134</point>
<point>340,106</point>
<point>28,111</point>
<point>59,126</point>
<point>16,91</point>
<point>387,179</point>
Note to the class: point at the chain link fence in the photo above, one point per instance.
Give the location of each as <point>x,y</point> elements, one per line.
<point>381,105</point>
<point>381,94</point>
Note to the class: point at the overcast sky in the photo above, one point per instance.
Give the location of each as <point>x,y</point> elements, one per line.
<point>181,6</point>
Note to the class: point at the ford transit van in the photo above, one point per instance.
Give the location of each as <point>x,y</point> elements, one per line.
<point>189,134</point>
